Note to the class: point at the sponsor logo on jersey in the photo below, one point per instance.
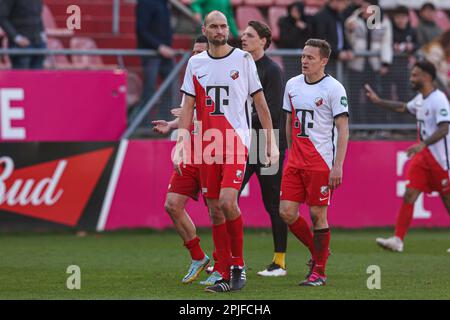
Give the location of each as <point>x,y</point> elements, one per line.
<point>234,74</point>
<point>319,102</point>
<point>344,101</point>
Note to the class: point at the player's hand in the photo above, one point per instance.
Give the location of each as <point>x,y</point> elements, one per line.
<point>335,177</point>
<point>178,157</point>
<point>416,148</point>
<point>273,155</point>
<point>372,94</point>
<point>176,112</point>
<point>161,126</point>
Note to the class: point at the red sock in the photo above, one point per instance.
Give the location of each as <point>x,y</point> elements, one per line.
<point>194,249</point>
<point>404,219</point>
<point>215,255</point>
<point>236,233</point>
<point>222,249</point>
<point>303,233</point>
<point>321,250</point>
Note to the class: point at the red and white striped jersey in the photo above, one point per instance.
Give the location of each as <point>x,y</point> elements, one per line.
<point>223,89</point>
<point>430,111</point>
<point>314,106</point>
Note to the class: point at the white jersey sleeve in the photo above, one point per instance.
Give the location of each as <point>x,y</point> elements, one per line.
<point>286,99</point>
<point>338,100</point>
<point>441,108</point>
<point>411,106</point>
<point>188,86</point>
<point>254,84</point>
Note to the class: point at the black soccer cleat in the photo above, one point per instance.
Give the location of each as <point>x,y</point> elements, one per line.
<point>238,278</point>
<point>221,286</point>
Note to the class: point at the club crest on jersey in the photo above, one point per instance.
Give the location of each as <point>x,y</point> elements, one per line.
<point>234,74</point>
<point>319,102</point>
<point>324,190</point>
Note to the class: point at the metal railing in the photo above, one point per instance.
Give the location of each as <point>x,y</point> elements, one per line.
<point>363,117</point>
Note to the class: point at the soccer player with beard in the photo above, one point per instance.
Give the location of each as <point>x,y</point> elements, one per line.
<point>222,82</point>
<point>317,133</point>
<point>430,165</point>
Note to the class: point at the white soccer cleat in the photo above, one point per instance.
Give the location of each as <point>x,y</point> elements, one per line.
<point>393,243</point>
<point>273,270</point>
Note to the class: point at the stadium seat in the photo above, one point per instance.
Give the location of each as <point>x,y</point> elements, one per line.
<point>276,59</point>
<point>413,18</point>
<point>274,14</point>
<point>246,13</point>
<point>51,29</point>
<point>258,3</point>
<point>442,20</point>
<point>58,62</point>
<point>134,88</point>
<point>283,2</point>
<point>236,3</point>
<point>85,62</point>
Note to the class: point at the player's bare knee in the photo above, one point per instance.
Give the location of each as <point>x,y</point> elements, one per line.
<point>287,215</point>
<point>410,196</point>
<point>172,208</point>
<point>227,206</point>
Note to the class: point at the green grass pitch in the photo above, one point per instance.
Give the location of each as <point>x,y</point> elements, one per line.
<point>150,265</point>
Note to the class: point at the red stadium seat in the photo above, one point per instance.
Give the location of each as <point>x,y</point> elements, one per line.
<point>51,29</point>
<point>236,3</point>
<point>276,59</point>
<point>413,18</point>
<point>134,88</point>
<point>60,61</point>
<point>246,13</point>
<point>79,61</point>
<point>274,14</point>
<point>258,3</point>
<point>442,20</point>
<point>283,2</point>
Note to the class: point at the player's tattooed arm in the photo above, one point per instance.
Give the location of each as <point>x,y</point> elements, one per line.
<point>440,133</point>
<point>396,106</point>
<point>336,173</point>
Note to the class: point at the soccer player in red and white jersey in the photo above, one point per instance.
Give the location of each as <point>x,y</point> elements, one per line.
<point>183,186</point>
<point>221,82</point>
<point>430,165</point>
<point>317,133</point>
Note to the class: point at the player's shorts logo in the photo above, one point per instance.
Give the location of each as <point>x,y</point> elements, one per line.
<point>319,102</point>
<point>234,74</point>
<point>324,190</point>
<point>239,174</point>
<point>444,182</point>
<point>204,190</point>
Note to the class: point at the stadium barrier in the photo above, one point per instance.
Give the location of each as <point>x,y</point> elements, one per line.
<point>62,105</point>
<point>110,186</point>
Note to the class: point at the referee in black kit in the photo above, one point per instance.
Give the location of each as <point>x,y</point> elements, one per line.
<point>255,39</point>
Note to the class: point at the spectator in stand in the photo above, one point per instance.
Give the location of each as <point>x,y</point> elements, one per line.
<point>202,7</point>
<point>427,29</point>
<point>22,22</point>
<point>373,70</point>
<point>328,24</point>
<point>294,32</point>
<point>154,32</point>
<point>405,45</point>
<point>438,52</point>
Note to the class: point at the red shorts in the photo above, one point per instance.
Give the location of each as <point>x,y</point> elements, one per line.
<point>214,177</point>
<point>305,186</point>
<point>188,184</point>
<point>425,174</point>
